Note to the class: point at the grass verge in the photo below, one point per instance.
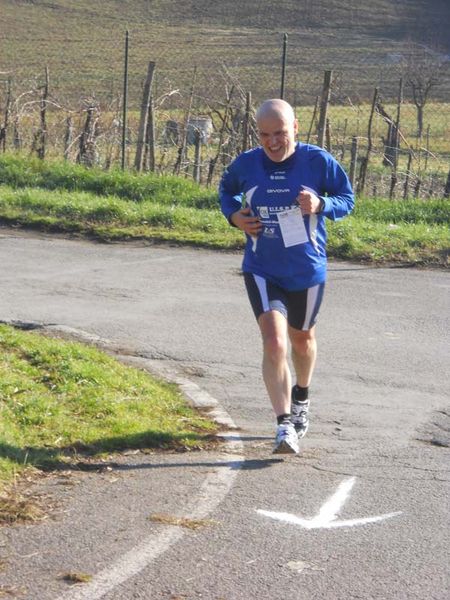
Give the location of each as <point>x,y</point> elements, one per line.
<point>59,399</point>
<point>19,171</point>
<point>117,205</point>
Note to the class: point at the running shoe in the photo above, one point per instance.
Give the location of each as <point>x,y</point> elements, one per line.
<point>286,441</point>
<point>299,415</point>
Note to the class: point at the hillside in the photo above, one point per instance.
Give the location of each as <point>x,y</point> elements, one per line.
<point>423,20</point>
<point>82,41</point>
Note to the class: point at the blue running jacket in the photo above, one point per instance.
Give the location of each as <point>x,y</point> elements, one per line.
<point>267,187</point>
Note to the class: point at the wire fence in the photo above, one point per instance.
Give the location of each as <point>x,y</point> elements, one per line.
<point>188,108</point>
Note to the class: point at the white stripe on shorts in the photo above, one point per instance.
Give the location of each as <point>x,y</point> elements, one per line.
<point>311,300</point>
<point>262,287</point>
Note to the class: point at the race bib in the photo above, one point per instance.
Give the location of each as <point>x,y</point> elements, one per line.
<point>292,226</point>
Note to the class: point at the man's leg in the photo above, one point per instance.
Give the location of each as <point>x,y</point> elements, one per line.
<point>269,305</point>
<point>277,377</point>
<point>275,368</point>
<point>304,354</point>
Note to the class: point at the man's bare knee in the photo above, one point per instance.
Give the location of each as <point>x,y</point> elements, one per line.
<point>302,341</point>
<point>275,347</point>
<point>273,333</point>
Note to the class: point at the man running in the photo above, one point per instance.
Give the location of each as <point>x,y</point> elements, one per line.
<point>279,195</point>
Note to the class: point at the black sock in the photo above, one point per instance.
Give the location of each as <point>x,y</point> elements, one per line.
<point>283,419</point>
<point>300,394</point>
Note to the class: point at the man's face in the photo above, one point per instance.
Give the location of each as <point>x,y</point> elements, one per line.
<point>277,136</point>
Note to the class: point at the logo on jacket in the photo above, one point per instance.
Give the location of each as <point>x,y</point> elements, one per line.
<point>269,232</point>
<point>263,212</point>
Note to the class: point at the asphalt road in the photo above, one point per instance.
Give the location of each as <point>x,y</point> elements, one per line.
<point>378,443</point>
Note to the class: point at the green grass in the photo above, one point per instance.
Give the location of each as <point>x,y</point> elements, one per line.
<point>360,239</point>
<point>68,198</point>
<point>58,398</point>
<point>19,172</point>
<point>109,217</point>
<point>402,212</point>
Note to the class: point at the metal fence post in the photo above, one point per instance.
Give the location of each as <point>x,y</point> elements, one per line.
<point>125,101</point>
<point>283,66</point>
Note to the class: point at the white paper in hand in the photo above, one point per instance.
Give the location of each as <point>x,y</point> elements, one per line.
<point>292,227</point>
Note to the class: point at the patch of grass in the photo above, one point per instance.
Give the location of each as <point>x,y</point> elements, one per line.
<point>185,522</point>
<point>76,577</point>
<point>111,218</point>
<point>18,172</point>
<point>60,398</point>
<point>380,210</point>
<point>7,591</point>
<point>379,242</point>
<point>16,507</point>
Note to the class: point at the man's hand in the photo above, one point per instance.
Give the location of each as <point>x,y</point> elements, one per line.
<point>246,222</point>
<point>309,202</point>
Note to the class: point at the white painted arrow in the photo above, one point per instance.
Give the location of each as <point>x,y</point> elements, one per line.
<point>327,517</point>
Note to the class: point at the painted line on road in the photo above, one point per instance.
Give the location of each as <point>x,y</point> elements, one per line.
<point>212,492</point>
<point>327,515</point>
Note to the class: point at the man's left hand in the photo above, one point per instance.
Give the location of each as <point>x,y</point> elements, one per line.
<point>309,202</point>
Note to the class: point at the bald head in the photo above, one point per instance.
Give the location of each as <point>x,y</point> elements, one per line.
<point>277,129</point>
<point>276,108</point>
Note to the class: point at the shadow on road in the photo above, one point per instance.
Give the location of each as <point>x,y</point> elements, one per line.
<point>82,457</point>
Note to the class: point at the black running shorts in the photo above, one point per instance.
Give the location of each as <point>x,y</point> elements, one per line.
<point>300,308</point>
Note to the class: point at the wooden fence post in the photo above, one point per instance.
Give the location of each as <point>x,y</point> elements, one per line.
<point>396,137</point>
<point>393,184</point>
<point>40,137</point>
<point>198,156</point>
<point>417,188</point>
<point>17,140</point>
<point>149,154</point>
<point>144,117</point>
<point>213,161</point>
<point>246,128</point>
<point>313,118</point>
<point>344,135</point>
<point>447,186</point>
<point>353,160</point>
<point>427,146</point>
<point>324,108</point>
<point>87,154</point>
<point>408,173</point>
<point>4,128</point>
<point>328,135</point>
<point>365,160</point>
<point>68,136</point>
<point>182,148</point>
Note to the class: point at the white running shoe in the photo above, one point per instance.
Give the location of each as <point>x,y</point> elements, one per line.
<point>299,416</point>
<point>286,441</point>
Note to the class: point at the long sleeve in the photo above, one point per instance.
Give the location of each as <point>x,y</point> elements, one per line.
<point>230,191</point>
<point>337,192</point>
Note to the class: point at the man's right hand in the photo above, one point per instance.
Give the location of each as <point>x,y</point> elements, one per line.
<point>245,221</point>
